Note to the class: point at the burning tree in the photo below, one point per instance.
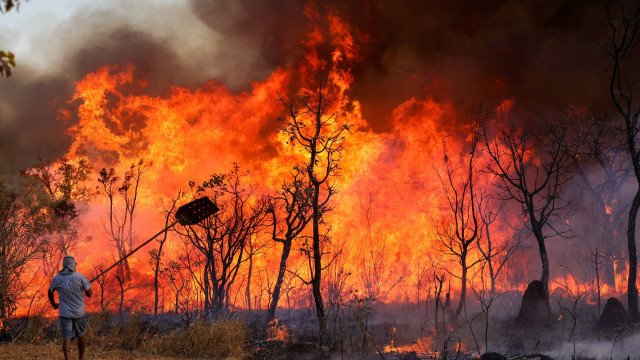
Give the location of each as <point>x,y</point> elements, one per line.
<point>457,235</point>
<point>623,37</point>
<point>222,238</point>
<point>533,177</point>
<point>290,213</point>
<point>312,123</point>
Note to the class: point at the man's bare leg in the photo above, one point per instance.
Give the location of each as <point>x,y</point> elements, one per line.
<point>82,343</point>
<point>66,344</point>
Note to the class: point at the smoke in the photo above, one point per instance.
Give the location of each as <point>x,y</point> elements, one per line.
<point>544,56</point>
<point>29,123</point>
<point>622,347</point>
<point>540,55</point>
<point>257,36</point>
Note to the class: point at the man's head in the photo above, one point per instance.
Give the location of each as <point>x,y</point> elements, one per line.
<point>69,262</point>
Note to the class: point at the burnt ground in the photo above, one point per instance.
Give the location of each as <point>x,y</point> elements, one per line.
<point>398,331</point>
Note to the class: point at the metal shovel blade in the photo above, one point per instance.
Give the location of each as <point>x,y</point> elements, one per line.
<point>196,211</point>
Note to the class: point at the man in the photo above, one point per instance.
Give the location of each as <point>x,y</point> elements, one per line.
<point>71,287</point>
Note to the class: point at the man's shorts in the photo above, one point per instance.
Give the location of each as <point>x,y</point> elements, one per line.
<point>73,327</point>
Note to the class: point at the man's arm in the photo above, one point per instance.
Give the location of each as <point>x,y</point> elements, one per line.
<point>52,300</point>
<point>86,286</point>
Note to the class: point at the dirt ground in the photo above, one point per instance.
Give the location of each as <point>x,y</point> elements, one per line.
<point>52,351</point>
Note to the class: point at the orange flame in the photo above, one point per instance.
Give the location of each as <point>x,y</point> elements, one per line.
<point>190,134</point>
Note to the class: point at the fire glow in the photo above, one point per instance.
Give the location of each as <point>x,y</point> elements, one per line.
<point>389,196</point>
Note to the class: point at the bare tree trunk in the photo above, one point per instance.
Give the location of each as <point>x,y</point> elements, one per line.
<point>544,259</point>
<point>158,257</point>
<point>317,271</point>
<point>247,290</point>
<point>207,290</point>
<point>156,276</point>
<point>542,248</point>
<point>463,286</point>
<point>632,289</point>
<point>121,280</point>
<point>286,249</point>
<point>492,276</point>
<point>608,269</point>
<point>3,314</point>
<point>101,297</point>
<point>440,284</point>
<point>597,261</point>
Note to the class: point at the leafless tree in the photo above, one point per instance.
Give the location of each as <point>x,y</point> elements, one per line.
<point>102,282</point>
<point>290,212</point>
<point>601,163</point>
<point>156,254</point>
<point>173,274</point>
<point>576,291</point>
<point>624,26</point>
<point>337,290</point>
<point>191,262</point>
<point>533,178</point>
<point>439,283</point>
<point>254,248</point>
<point>312,121</point>
<point>251,252</point>
<point>457,235</point>
<point>424,283</point>
<point>597,259</point>
<point>359,312</point>
<point>377,278</point>
<point>221,239</point>
<point>121,216</point>
<point>486,300</point>
<point>124,285</point>
<point>495,255</point>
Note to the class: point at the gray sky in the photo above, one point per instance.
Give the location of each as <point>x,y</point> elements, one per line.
<point>42,32</point>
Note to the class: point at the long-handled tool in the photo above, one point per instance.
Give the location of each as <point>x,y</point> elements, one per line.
<point>187,214</point>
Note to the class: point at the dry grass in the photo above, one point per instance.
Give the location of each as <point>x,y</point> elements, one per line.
<point>221,340</point>
<point>127,336</point>
<point>33,330</point>
<point>52,351</point>
<point>133,339</point>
